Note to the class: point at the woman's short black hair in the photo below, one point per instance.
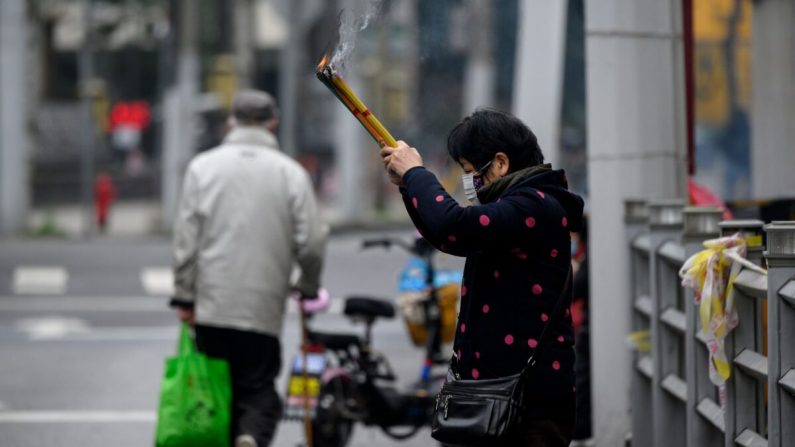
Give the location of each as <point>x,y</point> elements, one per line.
<point>478,138</point>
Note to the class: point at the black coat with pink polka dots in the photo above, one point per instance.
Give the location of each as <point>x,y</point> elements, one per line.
<point>517,251</point>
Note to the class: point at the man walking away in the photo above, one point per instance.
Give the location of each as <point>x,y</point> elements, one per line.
<point>246,217</point>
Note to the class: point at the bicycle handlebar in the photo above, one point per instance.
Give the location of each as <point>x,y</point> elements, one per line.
<point>388,242</point>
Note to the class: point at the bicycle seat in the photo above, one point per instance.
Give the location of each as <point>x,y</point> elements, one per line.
<point>364,307</point>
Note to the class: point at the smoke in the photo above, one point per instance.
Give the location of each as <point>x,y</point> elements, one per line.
<point>351,24</point>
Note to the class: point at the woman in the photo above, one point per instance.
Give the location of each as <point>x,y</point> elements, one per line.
<point>515,238</point>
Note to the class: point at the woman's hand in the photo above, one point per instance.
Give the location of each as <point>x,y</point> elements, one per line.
<point>398,160</point>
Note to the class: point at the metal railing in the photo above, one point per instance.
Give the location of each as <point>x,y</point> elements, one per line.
<point>673,401</point>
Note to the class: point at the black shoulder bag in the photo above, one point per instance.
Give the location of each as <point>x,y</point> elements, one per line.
<point>487,412</point>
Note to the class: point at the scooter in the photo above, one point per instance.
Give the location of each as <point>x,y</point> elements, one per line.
<point>341,380</point>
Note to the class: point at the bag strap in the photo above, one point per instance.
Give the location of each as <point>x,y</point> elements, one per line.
<point>560,305</point>
<point>187,346</point>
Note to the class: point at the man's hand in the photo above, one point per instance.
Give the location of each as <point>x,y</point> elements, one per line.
<point>186,315</point>
<point>398,160</point>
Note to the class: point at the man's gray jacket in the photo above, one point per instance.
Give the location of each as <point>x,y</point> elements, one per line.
<point>246,217</point>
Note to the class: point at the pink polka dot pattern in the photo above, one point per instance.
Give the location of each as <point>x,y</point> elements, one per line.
<point>553,253</point>
<point>496,274</point>
<point>532,343</point>
<point>486,308</point>
<point>568,312</point>
<point>521,256</point>
<point>484,220</point>
<point>556,365</point>
<point>440,198</point>
<point>459,355</point>
<point>475,373</point>
<point>530,222</point>
<point>414,202</point>
<point>540,194</point>
<point>463,290</point>
<point>560,338</point>
<point>464,327</point>
<point>537,289</point>
<point>565,222</point>
<point>544,317</point>
<point>509,339</point>
<point>477,355</point>
<point>452,238</point>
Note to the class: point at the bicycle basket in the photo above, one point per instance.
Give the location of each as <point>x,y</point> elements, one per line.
<point>413,311</point>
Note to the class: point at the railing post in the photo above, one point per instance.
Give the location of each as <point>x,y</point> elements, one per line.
<point>780,256</point>
<point>700,224</point>
<point>665,225</point>
<point>745,404</point>
<point>636,218</point>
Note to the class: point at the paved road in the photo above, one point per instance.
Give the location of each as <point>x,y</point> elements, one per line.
<point>84,331</point>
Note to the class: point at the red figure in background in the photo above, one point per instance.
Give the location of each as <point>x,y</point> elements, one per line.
<point>104,194</point>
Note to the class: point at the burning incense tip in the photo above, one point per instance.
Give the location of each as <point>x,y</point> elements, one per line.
<point>333,81</point>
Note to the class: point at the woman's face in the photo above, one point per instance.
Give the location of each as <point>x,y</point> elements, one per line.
<point>494,170</point>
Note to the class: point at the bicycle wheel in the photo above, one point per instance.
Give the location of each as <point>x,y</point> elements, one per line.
<point>331,427</point>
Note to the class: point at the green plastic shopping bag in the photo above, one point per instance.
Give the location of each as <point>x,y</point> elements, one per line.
<point>195,399</point>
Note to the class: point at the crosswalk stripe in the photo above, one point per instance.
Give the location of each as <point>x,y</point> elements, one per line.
<point>39,417</point>
<point>158,281</point>
<point>39,280</point>
<point>64,303</point>
<point>154,303</point>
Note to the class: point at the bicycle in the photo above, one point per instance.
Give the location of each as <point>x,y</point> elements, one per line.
<point>349,382</point>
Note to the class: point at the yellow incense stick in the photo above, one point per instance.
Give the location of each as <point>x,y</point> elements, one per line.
<point>359,116</point>
<point>347,93</point>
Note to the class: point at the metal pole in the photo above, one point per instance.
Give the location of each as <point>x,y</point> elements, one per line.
<point>14,137</point>
<point>635,254</point>
<point>701,223</point>
<point>289,76</point>
<point>780,256</point>
<point>86,70</point>
<point>479,75</point>
<point>179,109</point>
<point>665,225</point>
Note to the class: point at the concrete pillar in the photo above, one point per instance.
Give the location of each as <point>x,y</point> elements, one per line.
<point>14,137</point>
<point>636,144</point>
<point>538,79</point>
<point>773,100</point>
<point>179,106</point>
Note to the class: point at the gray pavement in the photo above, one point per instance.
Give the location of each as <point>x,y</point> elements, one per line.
<point>82,366</point>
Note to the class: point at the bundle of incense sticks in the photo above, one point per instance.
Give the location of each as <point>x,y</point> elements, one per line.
<point>331,79</point>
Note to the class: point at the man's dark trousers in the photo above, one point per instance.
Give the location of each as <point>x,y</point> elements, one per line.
<point>254,362</point>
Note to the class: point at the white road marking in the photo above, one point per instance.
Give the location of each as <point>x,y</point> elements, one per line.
<point>84,304</point>
<point>121,304</point>
<point>158,281</point>
<point>51,327</point>
<point>71,416</point>
<point>39,280</point>
<point>136,333</point>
